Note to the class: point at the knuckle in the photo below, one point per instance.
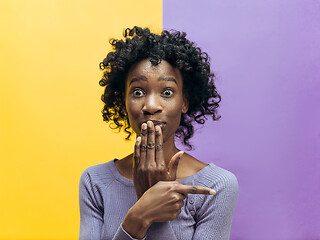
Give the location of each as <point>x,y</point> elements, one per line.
<point>177,206</point>
<point>150,145</point>
<point>171,187</point>
<point>176,214</point>
<point>143,133</point>
<point>175,185</point>
<point>142,169</point>
<point>194,189</point>
<point>162,167</point>
<point>158,172</point>
<point>143,148</point>
<point>158,147</point>
<point>175,197</point>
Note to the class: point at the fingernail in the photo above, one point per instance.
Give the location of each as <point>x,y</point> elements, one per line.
<point>157,128</point>
<point>149,124</point>
<point>144,126</point>
<point>138,139</point>
<point>212,192</point>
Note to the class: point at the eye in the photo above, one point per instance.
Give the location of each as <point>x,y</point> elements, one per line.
<point>137,92</point>
<point>167,93</point>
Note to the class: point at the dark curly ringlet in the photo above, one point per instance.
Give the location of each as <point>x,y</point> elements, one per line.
<point>173,47</point>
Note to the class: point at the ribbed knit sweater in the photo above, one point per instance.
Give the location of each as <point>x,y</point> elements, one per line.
<point>105,196</point>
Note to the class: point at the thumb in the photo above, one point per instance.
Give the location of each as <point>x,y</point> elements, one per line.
<point>173,164</point>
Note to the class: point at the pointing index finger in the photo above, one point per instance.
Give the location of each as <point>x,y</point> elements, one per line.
<point>181,188</point>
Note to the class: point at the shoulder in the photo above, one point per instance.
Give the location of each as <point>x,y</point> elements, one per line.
<point>226,186</point>
<point>217,178</point>
<point>97,175</point>
<point>214,213</point>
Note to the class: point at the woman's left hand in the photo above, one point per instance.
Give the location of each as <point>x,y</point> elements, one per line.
<point>149,166</point>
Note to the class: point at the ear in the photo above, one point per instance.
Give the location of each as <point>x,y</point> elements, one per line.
<point>185,105</point>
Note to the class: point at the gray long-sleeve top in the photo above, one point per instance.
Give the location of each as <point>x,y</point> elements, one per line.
<point>105,196</point>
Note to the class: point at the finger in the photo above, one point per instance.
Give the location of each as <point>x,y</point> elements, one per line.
<point>182,196</point>
<point>143,144</point>
<point>181,203</point>
<point>150,160</point>
<point>189,189</point>
<point>136,155</point>
<point>160,162</point>
<point>173,164</point>
<point>178,211</point>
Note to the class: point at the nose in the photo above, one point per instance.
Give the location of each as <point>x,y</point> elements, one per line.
<point>152,104</point>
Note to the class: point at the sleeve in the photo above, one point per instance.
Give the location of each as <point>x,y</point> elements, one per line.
<point>122,234</point>
<point>91,213</point>
<point>161,230</point>
<point>214,217</point>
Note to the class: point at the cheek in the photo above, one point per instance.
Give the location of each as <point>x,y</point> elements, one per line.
<point>174,111</point>
<point>175,107</point>
<point>133,110</point>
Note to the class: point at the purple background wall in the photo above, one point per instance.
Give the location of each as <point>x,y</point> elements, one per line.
<point>266,56</point>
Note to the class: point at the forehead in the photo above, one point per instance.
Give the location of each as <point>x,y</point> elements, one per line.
<point>146,69</point>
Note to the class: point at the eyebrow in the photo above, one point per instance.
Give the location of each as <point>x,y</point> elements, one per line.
<point>169,79</point>
<point>136,79</point>
<point>143,78</point>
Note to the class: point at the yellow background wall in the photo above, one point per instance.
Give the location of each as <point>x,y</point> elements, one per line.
<point>51,125</point>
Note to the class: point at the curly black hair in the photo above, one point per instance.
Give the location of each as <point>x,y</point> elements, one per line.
<point>173,47</point>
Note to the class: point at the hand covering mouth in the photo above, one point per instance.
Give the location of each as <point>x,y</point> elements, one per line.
<point>155,123</point>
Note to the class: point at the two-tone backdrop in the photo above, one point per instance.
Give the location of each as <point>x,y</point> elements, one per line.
<point>266,57</point>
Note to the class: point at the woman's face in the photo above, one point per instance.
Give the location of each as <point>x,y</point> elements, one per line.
<point>155,93</point>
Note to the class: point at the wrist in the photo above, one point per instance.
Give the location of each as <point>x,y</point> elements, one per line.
<point>135,224</point>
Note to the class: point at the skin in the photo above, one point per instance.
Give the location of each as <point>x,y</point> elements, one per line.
<point>154,101</point>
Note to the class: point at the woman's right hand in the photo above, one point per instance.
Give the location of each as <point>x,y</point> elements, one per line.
<point>149,165</point>
<point>160,203</point>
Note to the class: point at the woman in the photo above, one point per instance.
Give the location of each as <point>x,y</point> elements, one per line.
<point>157,85</point>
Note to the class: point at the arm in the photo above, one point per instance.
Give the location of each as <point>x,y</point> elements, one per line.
<point>139,228</point>
<point>91,212</point>
<point>158,205</point>
<point>91,215</point>
<point>214,217</point>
